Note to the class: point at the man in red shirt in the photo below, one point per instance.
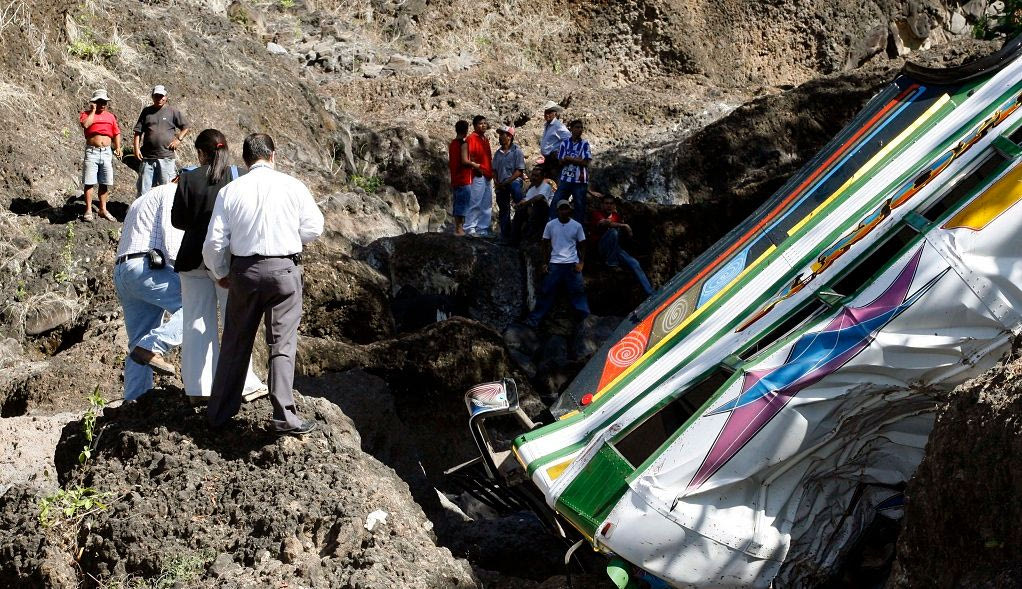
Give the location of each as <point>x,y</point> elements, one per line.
<point>604,226</point>
<point>101,129</point>
<point>480,206</point>
<point>461,176</point>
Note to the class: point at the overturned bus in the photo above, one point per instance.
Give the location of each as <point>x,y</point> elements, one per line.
<point>752,416</point>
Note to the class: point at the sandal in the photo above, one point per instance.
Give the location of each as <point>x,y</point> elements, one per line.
<point>88,217</point>
<point>106,215</point>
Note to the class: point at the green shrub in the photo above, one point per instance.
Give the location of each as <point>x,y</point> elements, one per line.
<point>89,49</point>
<point>370,184</point>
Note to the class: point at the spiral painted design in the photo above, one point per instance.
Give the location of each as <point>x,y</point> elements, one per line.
<point>628,350</point>
<point>674,315</point>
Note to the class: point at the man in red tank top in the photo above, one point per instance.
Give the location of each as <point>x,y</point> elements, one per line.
<point>101,130</point>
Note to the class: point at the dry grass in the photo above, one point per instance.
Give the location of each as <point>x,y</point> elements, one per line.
<point>14,242</point>
<point>513,32</point>
<point>12,13</point>
<point>17,312</point>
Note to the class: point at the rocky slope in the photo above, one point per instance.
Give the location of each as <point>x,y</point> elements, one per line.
<point>361,96</point>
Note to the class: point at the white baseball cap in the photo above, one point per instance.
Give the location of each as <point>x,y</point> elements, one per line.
<point>159,89</point>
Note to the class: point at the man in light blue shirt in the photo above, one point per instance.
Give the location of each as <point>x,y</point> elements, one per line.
<point>554,133</point>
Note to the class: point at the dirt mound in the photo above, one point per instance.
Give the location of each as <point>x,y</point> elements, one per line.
<point>961,524</point>
<point>243,506</point>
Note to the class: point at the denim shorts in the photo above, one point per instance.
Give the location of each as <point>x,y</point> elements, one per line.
<point>461,198</point>
<point>98,166</point>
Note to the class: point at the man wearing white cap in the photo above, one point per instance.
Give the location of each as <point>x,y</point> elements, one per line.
<point>158,133</point>
<point>101,129</point>
<point>554,133</point>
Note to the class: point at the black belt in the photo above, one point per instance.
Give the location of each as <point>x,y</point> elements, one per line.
<point>126,257</point>
<point>296,258</point>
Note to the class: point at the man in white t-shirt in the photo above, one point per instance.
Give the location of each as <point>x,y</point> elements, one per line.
<point>565,239</point>
<point>532,212</point>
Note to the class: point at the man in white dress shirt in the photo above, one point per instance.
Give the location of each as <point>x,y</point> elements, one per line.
<point>147,286</point>
<point>253,246</point>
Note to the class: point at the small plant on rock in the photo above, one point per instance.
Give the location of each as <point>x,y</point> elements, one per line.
<point>67,256</point>
<point>64,510</point>
<point>68,505</point>
<point>370,184</point>
<point>96,404</point>
<point>286,4</point>
<point>91,50</point>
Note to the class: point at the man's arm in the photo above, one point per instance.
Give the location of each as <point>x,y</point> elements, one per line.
<point>176,142</point>
<point>181,124</point>
<point>137,132</point>
<point>216,249</point>
<point>465,160</point>
<point>580,246</point>
<point>117,143</point>
<point>87,120</point>
<point>562,131</point>
<point>547,248</point>
<point>310,218</point>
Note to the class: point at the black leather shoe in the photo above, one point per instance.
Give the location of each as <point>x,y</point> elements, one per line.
<point>300,430</point>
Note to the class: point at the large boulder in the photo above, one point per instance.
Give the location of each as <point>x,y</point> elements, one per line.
<point>961,522</point>
<point>346,299</point>
<point>436,275</point>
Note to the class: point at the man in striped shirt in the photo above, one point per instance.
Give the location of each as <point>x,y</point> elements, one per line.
<point>575,156</point>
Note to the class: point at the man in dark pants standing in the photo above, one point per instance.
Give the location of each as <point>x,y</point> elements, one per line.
<point>564,241</point>
<point>260,223</point>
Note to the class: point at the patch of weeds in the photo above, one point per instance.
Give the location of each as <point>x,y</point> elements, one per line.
<point>1008,24</point>
<point>64,511</point>
<point>370,184</point>
<point>96,404</point>
<point>69,504</point>
<point>286,4</point>
<point>22,292</point>
<point>91,50</point>
<point>67,256</point>
<point>183,569</point>
<point>176,572</point>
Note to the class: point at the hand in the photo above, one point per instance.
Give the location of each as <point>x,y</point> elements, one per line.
<point>604,222</point>
<point>545,269</point>
<point>224,282</point>
<point>578,267</point>
<point>117,152</point>
<point>174,144</point>
<point>138,154</point>
<point>92,108</point>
